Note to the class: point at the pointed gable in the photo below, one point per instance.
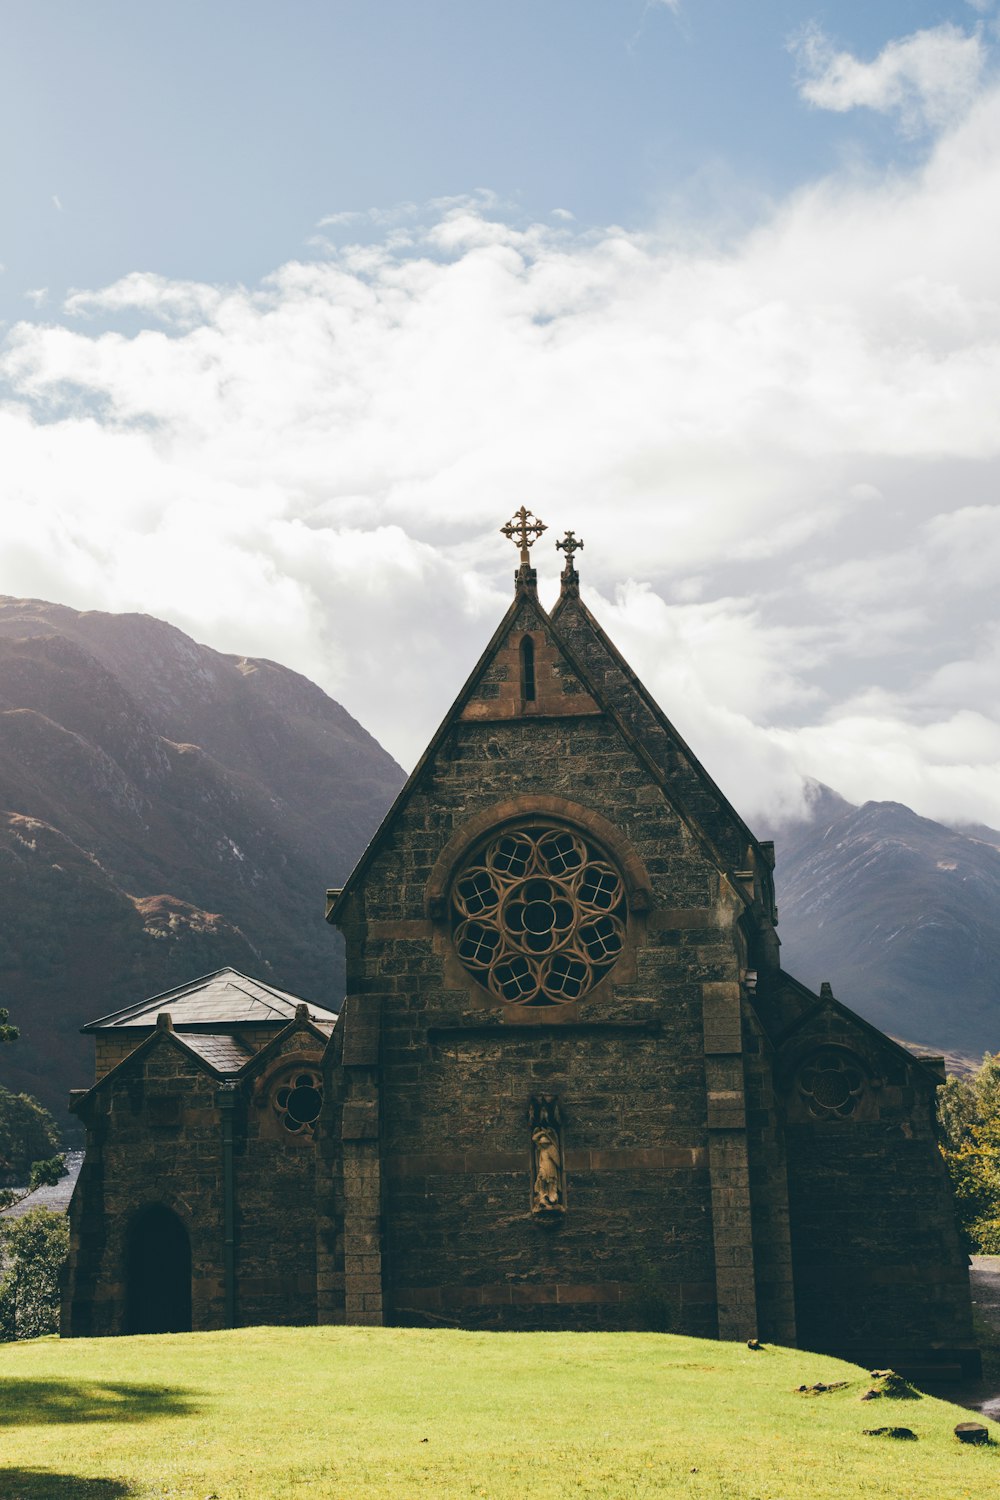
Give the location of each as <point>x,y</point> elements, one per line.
<point>163,1036</point>
<point>493,692</point>
<point>685,779</point>
<point>300,1037</point>
<point>796,1018</point>
<point>525,671</point>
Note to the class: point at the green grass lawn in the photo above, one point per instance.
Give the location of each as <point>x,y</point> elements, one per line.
<point>351,1413</point>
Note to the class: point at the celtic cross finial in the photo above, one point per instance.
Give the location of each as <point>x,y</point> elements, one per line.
<point>523,529</point>
<point>570,577</point>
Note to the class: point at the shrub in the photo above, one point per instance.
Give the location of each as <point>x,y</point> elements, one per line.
<point>46,1173</point>
<point>969,1116</point>
<point>34,1248</point>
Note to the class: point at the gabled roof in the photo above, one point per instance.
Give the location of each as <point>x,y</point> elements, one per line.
<point>814,1005</point>
<point>223,998</point>
<point>526,602</point>
<point>685,776</point>
<point>161,1036</point>
<point>261,1060</point>
<point>224,1053</point>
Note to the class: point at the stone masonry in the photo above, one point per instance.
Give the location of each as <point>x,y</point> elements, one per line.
<point>570,1086</point>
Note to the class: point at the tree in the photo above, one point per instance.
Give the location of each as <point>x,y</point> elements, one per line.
<point>34,1248</point>
<point>8,1033</point>
<point>28,1133</point>
<point>969,1116</point>
<point>47,1173</point>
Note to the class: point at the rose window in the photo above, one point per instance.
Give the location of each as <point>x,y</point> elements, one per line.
<point>539,916</point>
<point>832,1083</point>
<point>297,1101</point>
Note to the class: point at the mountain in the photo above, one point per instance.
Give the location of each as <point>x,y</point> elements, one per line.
<point>165,809</point>
<point>900,914</point>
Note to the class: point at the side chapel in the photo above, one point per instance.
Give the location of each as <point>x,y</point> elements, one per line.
<point>570,1086</point>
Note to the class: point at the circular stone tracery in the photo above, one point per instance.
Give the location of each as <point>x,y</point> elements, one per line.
<point>297,1101</point>
<point>832,1084</point>
<point>539,915</point>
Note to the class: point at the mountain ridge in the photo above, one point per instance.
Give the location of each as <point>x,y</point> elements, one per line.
<point>899,913</point>
<point>166,809</point>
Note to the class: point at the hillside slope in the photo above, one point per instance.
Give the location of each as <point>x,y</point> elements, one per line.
<point>901,915</point>
<point>164,809</point>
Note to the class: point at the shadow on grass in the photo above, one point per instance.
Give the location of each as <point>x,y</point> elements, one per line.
<point>40,1484</point>
<point>23,1403</point>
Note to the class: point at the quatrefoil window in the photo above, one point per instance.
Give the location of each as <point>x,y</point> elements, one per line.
<point>538,915</point>
<point>831,1084</point>
<point>297,1100</point>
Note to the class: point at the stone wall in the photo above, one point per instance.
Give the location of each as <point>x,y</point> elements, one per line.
<point>275,1194</point>
<point>155,1135</point>
<point>879,1272</point>
<point>152,1138</point>
<point>635,1071</point>
<point>113,1044</point>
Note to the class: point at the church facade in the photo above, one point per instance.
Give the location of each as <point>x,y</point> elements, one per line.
<point>570,1085</point>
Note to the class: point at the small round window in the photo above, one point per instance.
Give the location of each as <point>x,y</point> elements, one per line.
<point>538,915</point>
<point>297,1099</point>
<point>831,1084</point>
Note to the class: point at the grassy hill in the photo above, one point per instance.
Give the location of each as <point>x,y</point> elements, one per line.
<point>282,1414</point>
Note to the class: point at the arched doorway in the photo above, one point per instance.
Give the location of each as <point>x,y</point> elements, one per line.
<point>157,1273</point>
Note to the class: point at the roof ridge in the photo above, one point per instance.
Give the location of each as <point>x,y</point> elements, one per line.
<point>247,995</point>
<point>178,989</point>
<point>830,1002</point>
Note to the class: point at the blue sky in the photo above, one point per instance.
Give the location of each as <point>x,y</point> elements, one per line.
<point>207,140</point>
<point>300,302</point>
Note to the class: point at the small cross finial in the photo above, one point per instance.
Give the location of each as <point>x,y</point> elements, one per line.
<point>570,577</point>
<point>523,529</point>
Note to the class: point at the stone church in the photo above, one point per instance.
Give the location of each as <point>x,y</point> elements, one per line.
<point>570,1085</point>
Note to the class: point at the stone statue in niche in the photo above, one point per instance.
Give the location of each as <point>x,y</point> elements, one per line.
<point>548,1188</point>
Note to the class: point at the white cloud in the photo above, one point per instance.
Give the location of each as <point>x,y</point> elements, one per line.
<point>947,769</point>
<point>185,302</point>
<point>928,78</point>
<point>782,452</point>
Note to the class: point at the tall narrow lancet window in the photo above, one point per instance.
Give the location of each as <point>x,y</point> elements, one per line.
<point>528,669</point>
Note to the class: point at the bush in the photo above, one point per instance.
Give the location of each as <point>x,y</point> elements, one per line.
<point>34,1248</point>
<point>969,1116</point>
<point>46,1173</point>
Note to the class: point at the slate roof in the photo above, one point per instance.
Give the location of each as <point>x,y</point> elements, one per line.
<point>224,1053</point>
<point>56,1198</point>
<point>225,997</point>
